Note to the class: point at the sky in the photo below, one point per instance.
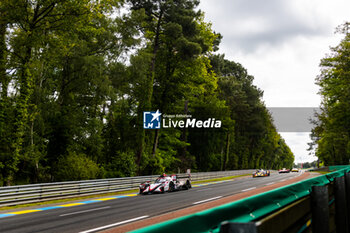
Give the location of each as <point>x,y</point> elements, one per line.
<point>281,44</point>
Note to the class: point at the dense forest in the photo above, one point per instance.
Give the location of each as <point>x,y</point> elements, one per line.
<point>331,134</point>
<point>77,75</point>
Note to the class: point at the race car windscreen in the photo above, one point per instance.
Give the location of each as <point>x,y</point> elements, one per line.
<point>160,180</point>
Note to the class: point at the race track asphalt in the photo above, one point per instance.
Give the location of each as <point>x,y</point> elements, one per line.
<point>101,215</point>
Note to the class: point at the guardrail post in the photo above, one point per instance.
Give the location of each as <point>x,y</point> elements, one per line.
<point>41,192</point>
<point>340,205</point>
<point>347,191</point>
<point>320,209</point>
<point>238,227</point>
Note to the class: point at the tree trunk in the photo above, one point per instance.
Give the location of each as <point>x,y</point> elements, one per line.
<point>3,79</point>
<point>227,151</point>
<point>5,133</point>
<point>21,109</point>
<point>184,137</point>
<point>162,107</point>
<point>148,102</point>
<point>36,171</point>
<point>155,142</point>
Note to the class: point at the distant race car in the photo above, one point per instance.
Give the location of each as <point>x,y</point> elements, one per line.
<point>261,173</point>
<point>166,183</point>
<point>295,170</point>
<point>284,170</point>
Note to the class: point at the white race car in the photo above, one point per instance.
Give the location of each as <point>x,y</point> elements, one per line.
<point>165,183</point>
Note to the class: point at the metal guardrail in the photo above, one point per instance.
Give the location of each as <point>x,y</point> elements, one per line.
<point>25,194</point>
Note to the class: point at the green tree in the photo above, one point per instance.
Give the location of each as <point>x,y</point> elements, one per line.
<point>332,130</point>
<point>255,142</point>
<point>42,34</point>
<point>174,34</point>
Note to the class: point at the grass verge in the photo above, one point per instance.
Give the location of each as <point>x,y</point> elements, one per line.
<point>220,179</point>
<point>322,172</point>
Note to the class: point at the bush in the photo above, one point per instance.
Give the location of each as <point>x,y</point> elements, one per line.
<point>122,165</point>
<point>76,167</point>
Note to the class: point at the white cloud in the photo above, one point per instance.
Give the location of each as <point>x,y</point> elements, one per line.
<point>299,142</point>
<point>247,25</point>
<point>281,44</point>
<point>287,73</point>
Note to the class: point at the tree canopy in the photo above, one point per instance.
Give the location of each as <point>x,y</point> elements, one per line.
<point>331,134</point>
<point>76,77</point>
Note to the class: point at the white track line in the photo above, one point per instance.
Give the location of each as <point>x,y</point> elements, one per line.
<point>114,224</point>
<point>85,211</point>
<point>244,190</point>
<point>198,202</point>
<point>270,183</point>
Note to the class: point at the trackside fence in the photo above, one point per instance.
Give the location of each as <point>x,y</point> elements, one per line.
<point>24,194</point>
<point>320,204</point>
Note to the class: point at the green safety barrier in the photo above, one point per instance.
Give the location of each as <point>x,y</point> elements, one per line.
<point>245,210</point>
